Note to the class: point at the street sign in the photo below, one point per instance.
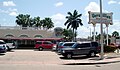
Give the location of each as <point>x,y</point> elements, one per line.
<point>94,17</point>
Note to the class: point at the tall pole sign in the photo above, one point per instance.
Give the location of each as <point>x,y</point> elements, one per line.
<point>100,18</point>
<point>94,17</point>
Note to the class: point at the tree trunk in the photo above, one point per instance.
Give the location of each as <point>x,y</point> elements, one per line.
<point>73,35</point>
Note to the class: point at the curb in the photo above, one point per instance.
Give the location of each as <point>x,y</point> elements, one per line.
<point>93,61</point>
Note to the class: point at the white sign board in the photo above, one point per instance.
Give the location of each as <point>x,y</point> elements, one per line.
<point>94,17</point>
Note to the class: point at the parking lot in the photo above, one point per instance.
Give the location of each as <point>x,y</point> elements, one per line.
<point>33,60</point>
<point>41,60</point>
<point>29,57</point>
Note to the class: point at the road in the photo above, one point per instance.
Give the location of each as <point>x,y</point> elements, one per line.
<point>44,60</point>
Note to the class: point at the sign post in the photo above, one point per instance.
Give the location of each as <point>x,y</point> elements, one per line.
<point>102,18</point>
<point>101,23</point>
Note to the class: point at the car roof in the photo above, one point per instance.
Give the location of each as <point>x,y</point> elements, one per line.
<point>1,41</point>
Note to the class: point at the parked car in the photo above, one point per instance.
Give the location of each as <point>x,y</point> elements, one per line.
<point>3,44</point>
<point>82,48</point>
<point>58,45</point>
<point>10,46</point>
<point>40,45</point>
<point>2,49</point>
<point>62,45</point>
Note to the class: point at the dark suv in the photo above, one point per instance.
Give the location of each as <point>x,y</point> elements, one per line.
<point>83,48</point>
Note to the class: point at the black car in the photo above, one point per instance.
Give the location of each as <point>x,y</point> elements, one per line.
<point>2,49</point>
<point>82,48</point>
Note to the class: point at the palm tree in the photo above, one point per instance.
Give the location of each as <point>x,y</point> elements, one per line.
<point>37,22</point>
<point>115,34</point>
<point>74,21</point>
<point>31,22</point>
<point>23,20</point>
<point>47,23</point>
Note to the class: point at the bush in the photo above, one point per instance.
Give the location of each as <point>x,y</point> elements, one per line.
<point>109,48</point>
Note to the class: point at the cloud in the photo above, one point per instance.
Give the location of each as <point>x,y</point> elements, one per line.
<point>93,6</point>
<point>115,26</point>
<point>112,2</point>
<point>4,11</point>
<point>59,4</point>
<point>118,2</point>
<point>9,3</point>
<point>58,19</point>
<point>10,11</point>
<point>13,13</point>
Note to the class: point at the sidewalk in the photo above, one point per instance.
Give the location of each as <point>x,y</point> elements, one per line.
<point>108,58</point>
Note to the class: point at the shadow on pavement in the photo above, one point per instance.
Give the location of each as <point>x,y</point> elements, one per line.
<point>11,51</point>
<point>77,58</point>
<point>2,54</point>
<point>43,50</point>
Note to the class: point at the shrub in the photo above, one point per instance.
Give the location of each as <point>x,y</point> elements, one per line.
<point>109,48</point>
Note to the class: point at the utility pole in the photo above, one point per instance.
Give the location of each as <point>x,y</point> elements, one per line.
<point>102,52</point>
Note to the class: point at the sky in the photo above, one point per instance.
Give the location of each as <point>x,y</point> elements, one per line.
<point>57,11</point>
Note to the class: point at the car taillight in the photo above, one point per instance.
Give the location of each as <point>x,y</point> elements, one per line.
<point>98,48</point>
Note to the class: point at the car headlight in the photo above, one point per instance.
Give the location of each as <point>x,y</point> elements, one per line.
<point>63,51</point>
<point>54,46</point>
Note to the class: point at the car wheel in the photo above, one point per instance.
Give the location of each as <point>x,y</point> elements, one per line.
<point>40,49</point>
<point>8,49</point>
<point>92,54</point>
<point>69,56</point>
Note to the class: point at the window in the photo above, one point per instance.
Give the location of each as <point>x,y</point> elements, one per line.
<point>46,42</point>
<point>38,42</point>
<point>95,44</point>
<point>68,44</point>
<point>37,36</point>
<point>2,42</point>
<point>83,45</point>
<point>9,36</point>
<point>24,36</point>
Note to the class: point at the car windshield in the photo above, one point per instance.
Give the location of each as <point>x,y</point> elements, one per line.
<point>2,42</point>
<point>94,44</point>
<point>60,43</point>
<point>68,44</point>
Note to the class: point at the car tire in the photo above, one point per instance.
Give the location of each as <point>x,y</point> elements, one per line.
<point>40,48</point>
<point>92,54</point>
<point>69,55</point>
<point>8,49</point>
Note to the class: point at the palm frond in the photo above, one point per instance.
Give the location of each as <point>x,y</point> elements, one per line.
<point>75,13</point>
<point>69,13</point>
<point>68,25</point>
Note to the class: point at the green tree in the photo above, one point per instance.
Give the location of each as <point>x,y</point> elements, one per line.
<point>115,34</point>
<point>37,22</point>
<point>68,34</point>
<point>73,20</point>
<point>47,23</point>
<point>31,22</point>
<point>23,20</point>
